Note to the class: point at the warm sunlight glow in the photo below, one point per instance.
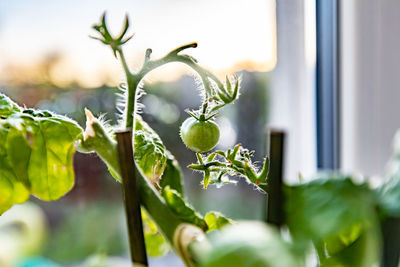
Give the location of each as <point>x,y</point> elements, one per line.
<point>232,35</point>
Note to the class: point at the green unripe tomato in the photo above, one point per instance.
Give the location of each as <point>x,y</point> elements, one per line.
<point>199,136</point>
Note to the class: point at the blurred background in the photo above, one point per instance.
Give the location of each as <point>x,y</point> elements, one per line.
<point>49,62</point>
<point>325,71</point>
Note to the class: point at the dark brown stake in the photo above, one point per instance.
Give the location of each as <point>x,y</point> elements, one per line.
<point>131,197</point>
<point>275,198</point>
<point>391,245</point>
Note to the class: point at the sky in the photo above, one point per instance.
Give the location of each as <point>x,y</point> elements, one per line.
<point>230,34</point>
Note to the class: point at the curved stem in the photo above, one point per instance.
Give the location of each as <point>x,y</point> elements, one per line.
<point>189,61</point>
<point>133,80</point>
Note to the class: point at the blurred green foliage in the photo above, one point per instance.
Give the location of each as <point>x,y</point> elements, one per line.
<point>94,229</point>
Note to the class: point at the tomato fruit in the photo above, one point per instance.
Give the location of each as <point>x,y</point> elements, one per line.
<point>199,136</point>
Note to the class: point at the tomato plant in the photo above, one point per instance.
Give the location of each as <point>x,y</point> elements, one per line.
<point>333,214</point>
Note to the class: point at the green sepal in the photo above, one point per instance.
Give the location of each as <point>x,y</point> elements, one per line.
<point>197,167</point>
<point>262,177</point>
<point>228,85</point>
<point>250,173</point>
<point>263,187</point>
<point>206,178</point>
<point>225,98</point>
<point>114,42</point>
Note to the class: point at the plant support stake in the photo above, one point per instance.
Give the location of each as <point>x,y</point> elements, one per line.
<point>131,198</point>
<point>391,246</point>
<point>275,198</point>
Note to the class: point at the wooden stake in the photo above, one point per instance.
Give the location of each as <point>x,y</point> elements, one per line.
<point>131,198</point>
<point>391,245</point>
<point>275,197</point>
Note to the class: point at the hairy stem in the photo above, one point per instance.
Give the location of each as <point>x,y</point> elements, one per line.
<point>132,83</point>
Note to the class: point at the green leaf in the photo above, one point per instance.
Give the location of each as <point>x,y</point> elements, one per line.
<point>50,170</point>
<point>327,206</point>
<point>150,153</point>
<point>215,221</point>
<point>36,149</point>
<point>172,175</point>
<point>182,210</point>
<point>6,192</point>
<point>19,153</point>
<point>156,245</point>
<point>337,243</point>
<point>334,213</point>
<point>248,244</point>
<point>363,251</point>
<point>11,190</point>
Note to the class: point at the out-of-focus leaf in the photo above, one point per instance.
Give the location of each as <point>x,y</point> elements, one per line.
<point>336,243</point>
<point>335,213</point>
<point>248,244</point>
<point>327,206</point>
<point>36,149</point>
<point>156,245</point>
<point>215,220</point>
<point>150,153</point>
<point>172,175</point>
<point>389,192</point>
<point>364,251</point>
<point>87,230</point>
<point>182,209</point>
